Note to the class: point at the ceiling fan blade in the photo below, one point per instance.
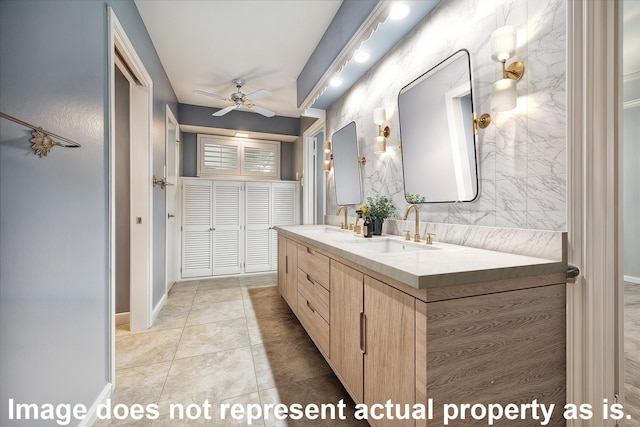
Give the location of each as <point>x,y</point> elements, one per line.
<point>263,111</point>
<point>205,93</point>
<point>224,111</point>
<point>258,94</point>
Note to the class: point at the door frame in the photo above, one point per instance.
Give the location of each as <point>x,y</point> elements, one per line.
<point>170,118</point>
<point>141,99</point>
<point>309,182</point>
<point>593,211</point>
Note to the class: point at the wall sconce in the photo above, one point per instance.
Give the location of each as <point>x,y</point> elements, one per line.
<point>328,156</point>
<point>379,117</point>
<point>503,47</point>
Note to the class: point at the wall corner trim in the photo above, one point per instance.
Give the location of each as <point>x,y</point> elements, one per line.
<point>92,412</point>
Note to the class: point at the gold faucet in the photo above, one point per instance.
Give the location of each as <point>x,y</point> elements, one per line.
<point>356,228</point>
<point>416,237</point>
<point>344,225</point>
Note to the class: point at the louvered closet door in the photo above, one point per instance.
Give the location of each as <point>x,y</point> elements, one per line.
<point>258,227</point>
<point>227,222</point>
<point>284,211</point>
<point>196,229</point>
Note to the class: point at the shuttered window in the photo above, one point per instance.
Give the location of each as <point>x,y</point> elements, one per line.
<point>238,157</point>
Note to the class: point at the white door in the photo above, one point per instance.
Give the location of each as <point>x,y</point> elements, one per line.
<point>172,258</point>
<point>284,211</point>
<point>197,228</point>
<point>258,227</point>
<point>228,219</point>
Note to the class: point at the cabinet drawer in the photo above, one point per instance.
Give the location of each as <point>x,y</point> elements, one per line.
<point>316,326</point>
<point>314,264</point>
<point>315,293</point>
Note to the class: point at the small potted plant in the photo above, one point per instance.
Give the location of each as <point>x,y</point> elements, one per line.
<point>379,208</point>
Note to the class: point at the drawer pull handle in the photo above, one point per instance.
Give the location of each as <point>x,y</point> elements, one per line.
<point>310,307</point>
<point>309,251</point>
<point>310,280</point>
<point>363,331</point>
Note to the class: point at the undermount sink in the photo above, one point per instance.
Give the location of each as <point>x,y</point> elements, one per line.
<point>387,245</point>
<point>323,230</point>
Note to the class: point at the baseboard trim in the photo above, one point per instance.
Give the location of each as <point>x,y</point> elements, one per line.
<point>92,415</point>
<point>122,318</point>
<point>632,279</point>
<point>157,308</point>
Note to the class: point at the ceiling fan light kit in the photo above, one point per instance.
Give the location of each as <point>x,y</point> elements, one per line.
<point>240,100</point>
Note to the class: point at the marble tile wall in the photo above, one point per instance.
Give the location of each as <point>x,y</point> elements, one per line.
<point>522,154</point>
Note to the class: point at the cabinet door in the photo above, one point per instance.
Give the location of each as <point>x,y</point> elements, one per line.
<point>258,233</point>
<point>389,359</point>
<point>197,227</point>
<point>284,210</point>
<point>228,218</point>
<point>346,308</point>
<point>291,294</point>
<point>282,265</point>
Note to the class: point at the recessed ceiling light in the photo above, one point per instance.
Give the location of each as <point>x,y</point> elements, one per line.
<point>242,135</point>
<point>336,81</point>
<point>399,10</point>
<point>361,56</point>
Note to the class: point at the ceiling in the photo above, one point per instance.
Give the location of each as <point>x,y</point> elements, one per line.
<point>206,44</point>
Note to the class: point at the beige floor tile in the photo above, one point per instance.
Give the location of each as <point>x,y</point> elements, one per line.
<point>146,348</point>
<point>213,337</point>
<point>141,385</point>
<point>324,389</point>
<point>284,362</point>
<point>265,302</point>
<point>216,312</point>
<point>275,328</point>
<point>212,377</point>
<point>219,283</point>
<point>211,294</point>
<point>269,279</point>
<point>184,286</point>
<point>171,317</point>
<point>180,299</point>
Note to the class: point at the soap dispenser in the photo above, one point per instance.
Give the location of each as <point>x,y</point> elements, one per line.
<point>367,227</point>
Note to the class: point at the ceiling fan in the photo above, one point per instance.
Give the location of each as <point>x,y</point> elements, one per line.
<point>240,100</point>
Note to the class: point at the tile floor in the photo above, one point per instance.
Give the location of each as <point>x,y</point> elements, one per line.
<point>228,340</point>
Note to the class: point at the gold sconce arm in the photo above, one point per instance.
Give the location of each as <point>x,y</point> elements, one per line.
<point>482,122</point>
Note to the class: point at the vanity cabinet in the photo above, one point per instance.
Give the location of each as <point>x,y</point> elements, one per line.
<point>494,341</point>
<point>372,339</point>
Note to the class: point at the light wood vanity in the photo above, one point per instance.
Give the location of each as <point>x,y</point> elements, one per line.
<point>499,340</point>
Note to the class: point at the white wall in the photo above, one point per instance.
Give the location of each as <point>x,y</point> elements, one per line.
<point>522,155</point>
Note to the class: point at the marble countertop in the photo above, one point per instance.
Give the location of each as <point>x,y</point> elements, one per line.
<point>420,265</point>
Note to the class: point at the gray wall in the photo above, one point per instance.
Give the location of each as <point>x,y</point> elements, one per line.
<point>123,194</point>
<point>54,288</point>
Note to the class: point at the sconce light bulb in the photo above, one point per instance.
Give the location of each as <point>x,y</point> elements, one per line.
<point>503,43</point>
<point>336,81</point>
<point>379,116</point>
<point>326,147</point>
